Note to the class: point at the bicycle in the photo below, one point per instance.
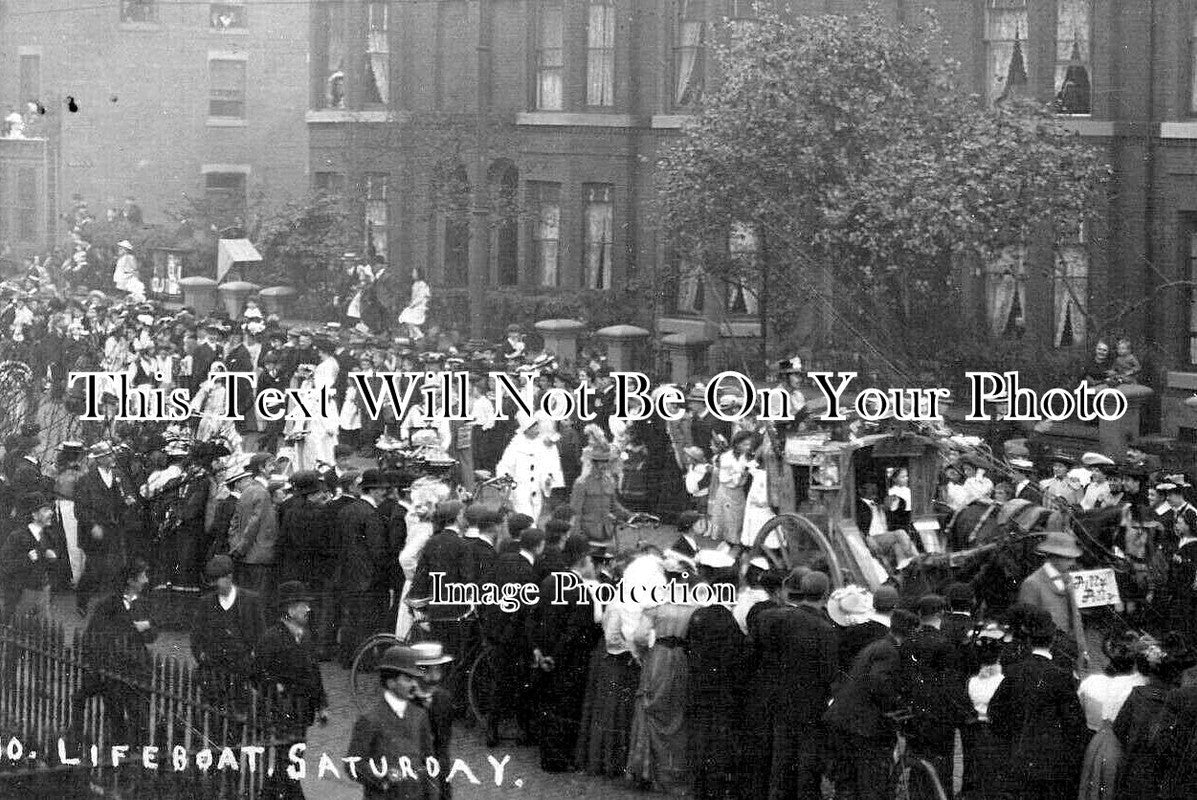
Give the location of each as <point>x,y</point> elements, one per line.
<point>482,675</point>
<point>492,490</point>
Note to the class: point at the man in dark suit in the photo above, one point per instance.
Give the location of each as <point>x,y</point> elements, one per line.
<point>1036,710</point>
<point>859,717</point>
<point>116,641</point>
<point>396,728</point>
<point>361,575</point>
<point>244,358</point>
<point>482,532</point>
<point>102,502</point>
<point>226,629</point>
<point>507,631</point>
<point>27,559</point>
<point>445,553</point>
<point>1025,487</point>
<point>208,351</point>
<point>934,681</point>
<point>562,633</point>
<point>286,663</point>
<point>798,662</point>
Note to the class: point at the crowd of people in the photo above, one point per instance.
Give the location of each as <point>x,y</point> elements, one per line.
<point>294,548</point>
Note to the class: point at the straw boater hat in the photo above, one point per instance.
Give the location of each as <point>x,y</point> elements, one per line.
<point>401,659</point>
<point>431,654</point>
<point>850,605</point>
<point>1059,543</point>
<point>100,450</point>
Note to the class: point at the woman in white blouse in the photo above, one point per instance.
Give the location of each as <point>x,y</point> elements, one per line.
<point>985,755</point>
<point>1102,696</point>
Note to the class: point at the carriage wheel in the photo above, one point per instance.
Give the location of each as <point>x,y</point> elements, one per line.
<point>791,540</point>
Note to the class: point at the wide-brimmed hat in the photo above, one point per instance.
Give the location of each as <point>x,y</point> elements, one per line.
<point>401,659</point>
<point>790,366</point>
<point>218,567</point>
<point>125,244</point>
<point>293,592</point>
<point>1022,464</point>
<point>431,654</point>
<point>72,448</point>
<point>373,479</point>
<point>850,605</point>
<point>1096,460</point>
<point>100,450</point>
<point>1059,543</point>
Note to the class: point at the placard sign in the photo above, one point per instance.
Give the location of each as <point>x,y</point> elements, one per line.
<point>1094,587</point>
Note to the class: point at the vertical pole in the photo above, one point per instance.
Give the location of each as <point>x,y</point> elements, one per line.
<point>480,212</point>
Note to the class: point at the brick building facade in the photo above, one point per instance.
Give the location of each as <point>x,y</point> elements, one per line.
<point>202,99</point>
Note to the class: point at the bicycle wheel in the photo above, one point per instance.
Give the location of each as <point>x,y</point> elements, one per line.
<point>482,686</point>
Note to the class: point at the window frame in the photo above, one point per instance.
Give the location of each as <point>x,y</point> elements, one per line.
<point>1022,35</point>
<point>150,17</point>
<point>370,78</point>
<point>376,188</point>
<point>600,57</point>
<point>605,247</point>
<point>547,65</point>
<point>243,64</point>
<point>752,299</point>
<point>210,192</point>
<point>1060,278</point>
<point>1086,60</point>
<point>242,11</point>
<point>689,95</point>
<point>545,194</point>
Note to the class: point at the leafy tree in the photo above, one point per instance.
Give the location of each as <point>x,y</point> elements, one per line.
<point>869,175</point>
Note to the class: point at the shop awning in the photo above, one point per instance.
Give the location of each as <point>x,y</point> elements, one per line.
<point>234,251</point>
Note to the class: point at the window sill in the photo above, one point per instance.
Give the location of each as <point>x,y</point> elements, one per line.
<point>576,120</point>
<point>345,115</point>
<point>670,122</point>
<point>229,31</point>
<point>141,26</point>
<point>1085,125</point>
<point>225,122</point>
<point>1178,130</point>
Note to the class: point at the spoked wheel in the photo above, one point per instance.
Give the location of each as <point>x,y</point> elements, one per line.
<point>482,686</point>
<point>365,663</point>
<point>791,540</point>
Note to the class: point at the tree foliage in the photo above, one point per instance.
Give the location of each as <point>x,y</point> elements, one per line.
<point>868,172</point>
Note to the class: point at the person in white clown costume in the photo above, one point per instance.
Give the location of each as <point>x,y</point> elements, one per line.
<point>532,461</point>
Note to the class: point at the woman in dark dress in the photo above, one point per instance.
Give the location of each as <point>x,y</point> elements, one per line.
<point>717,649</point>
<point>984,753</point>
<point>1137,724</point>
<point>610,700</point>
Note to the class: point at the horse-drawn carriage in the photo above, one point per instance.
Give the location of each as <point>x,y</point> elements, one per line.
<point>988,544</point>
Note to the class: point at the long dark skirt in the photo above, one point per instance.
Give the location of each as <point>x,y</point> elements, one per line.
<point>716,740</point>
<point>985,760</point>
<point>607,713</point>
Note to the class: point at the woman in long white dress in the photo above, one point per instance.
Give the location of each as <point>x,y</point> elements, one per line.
<point>416,312</point>
<point>211,404</point>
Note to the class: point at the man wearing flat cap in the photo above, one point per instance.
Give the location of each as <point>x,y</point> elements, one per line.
<point>799,657</point>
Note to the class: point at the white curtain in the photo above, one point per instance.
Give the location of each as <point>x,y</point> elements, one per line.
<point>599,237</point>
<point>550,66</point>
<point>1002,26</point>
<point>548,234</point>
<point>691,290</point>
<point>689,47</point>
<point>600,85</point>
<point>1071,289</point>
<point>376,225</point>
<point>379,54</point>
<point>1005,280</point>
